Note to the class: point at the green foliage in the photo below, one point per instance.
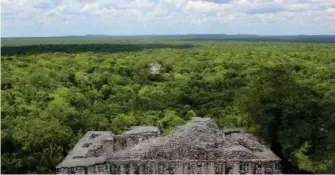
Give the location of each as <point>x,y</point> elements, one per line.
<point>169,121</point>
<point>189,114</point>
<point>123,121</point>
<point>294,116</point>
<point>304,161</point>
<point>52,94</point>
<point>46,139</point>
<point>148,117</point>
<point>232,117</point>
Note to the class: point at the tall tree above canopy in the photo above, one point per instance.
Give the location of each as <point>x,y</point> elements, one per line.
<point>297,118</point>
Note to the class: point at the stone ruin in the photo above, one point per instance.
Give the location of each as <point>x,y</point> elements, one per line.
<point>199,147</point>
<point>155,68</point>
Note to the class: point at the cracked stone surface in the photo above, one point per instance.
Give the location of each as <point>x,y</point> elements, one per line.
<point>198,147</point>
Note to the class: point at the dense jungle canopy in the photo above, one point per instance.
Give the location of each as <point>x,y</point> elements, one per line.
<point>55,90</point>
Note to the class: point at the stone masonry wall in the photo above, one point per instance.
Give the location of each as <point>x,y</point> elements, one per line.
<point>198,147</point>
<point>194,167</point>
<point>179,167</point>
<point>97,155</point>
<point>121,142</point>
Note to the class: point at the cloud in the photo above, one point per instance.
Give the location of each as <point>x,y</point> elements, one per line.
<point>264,9</point>
<point>165,15</point>
<point>217,1</point>
<point>202,6</point>
<point>46,4</point>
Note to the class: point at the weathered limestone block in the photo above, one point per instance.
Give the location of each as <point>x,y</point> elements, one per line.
<point>199,147</point>
<point>91,169</point>
<point>219,168</point>
<point>236,167</point>
<point>179,167</point>
<point>211,167</point>
<point>260,168</point>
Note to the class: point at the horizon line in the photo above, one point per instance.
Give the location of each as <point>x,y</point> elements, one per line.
<point>106,35</point>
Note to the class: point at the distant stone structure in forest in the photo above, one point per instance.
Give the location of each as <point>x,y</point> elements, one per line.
<point>199,147</point>
<point>155,68</point>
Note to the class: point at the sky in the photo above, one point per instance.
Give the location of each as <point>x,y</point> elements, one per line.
<point>31,18</point>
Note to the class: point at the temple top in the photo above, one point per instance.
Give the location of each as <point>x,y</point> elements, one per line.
<point>198,140</point>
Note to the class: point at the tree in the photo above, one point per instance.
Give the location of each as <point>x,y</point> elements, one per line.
<point>122,122</point>
<point>40,144</point>
<point>295,118</point>
<point>169,121</point>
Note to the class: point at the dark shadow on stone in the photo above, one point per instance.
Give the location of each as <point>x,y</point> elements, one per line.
<point>77,48</point>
